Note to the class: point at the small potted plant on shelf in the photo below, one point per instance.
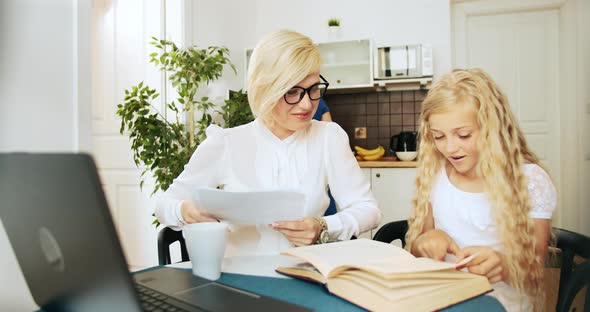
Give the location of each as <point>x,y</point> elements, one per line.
<point>334,32</point>
<point>334,22</point>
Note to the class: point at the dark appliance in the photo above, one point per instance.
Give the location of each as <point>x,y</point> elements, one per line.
<point>405,141</point>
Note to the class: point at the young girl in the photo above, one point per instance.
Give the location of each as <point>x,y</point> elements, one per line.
<point>480,190</point>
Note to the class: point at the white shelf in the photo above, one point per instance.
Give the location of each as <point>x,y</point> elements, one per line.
<point>350,64</point>
<point>421,83</point>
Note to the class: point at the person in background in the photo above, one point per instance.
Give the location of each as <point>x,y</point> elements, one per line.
<point>281,149</point>
<point>323,112</point>
<point>480,190</point>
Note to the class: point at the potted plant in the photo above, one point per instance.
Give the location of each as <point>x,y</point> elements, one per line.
<point>333,22</point>
<point>334,32</point>
<point>163,145</point>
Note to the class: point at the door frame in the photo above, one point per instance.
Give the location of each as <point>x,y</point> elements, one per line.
<point>569,210</point>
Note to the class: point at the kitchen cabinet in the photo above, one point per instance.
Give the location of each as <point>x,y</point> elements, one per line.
<point>347,64</point>
<point>394,189</point>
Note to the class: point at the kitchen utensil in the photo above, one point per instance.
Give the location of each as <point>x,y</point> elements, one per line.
<point>406,156</point>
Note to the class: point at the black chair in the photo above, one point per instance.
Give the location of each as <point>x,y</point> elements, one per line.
<point>392,231</point>
<point>166,237</point>
<point>572,278</point>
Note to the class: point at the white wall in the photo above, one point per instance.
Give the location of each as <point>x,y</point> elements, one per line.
<point>240,24</point>
<point>233,25</point>
<point>387,22</point>
<point>44,97</point>
<point>38,76</point>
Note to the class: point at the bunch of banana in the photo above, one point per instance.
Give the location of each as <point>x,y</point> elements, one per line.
<point>365,154</point>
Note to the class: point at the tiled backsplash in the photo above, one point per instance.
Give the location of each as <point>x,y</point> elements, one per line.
<point>382,113</point>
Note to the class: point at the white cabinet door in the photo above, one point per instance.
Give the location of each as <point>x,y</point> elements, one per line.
<point>367,234</point>
<point>121,32</point>
<point>394,189</point>
<point>347,64</point>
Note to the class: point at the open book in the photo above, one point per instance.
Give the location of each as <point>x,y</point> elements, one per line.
<point>383,277</point>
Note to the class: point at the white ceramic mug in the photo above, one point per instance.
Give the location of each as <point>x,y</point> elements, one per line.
<point>205,243</point>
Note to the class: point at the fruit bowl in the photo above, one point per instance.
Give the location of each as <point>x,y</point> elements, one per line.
<point>406,156</point>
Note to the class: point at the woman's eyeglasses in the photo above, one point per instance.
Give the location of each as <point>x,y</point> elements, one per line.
<point>315,92</point>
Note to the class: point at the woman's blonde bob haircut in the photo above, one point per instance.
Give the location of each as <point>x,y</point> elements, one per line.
<point>280,60</point>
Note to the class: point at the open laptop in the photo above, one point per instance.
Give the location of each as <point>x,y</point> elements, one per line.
<point>58,222</point>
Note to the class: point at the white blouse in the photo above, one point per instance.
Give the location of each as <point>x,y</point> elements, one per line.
<point>467,218</point>
<point>251,157</point>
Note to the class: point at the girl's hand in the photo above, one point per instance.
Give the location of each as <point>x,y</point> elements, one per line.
<point>435,244</point>
<point>192,214</point>
<point>486,261</point>
<point>300,233</point>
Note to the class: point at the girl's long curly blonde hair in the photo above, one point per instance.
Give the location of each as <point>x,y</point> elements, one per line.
<point>503,151</point>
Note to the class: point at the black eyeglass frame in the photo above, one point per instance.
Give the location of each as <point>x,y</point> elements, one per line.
<point>302,95</point>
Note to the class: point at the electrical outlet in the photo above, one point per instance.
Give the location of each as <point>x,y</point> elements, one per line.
<point>360,132</point>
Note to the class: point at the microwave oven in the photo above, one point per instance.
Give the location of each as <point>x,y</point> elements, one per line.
<point>407,61</point>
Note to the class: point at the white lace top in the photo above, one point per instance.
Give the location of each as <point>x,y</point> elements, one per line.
<point>251,157</point>
<point>467,218</point>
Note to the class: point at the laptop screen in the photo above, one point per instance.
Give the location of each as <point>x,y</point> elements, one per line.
<point>57,220</point>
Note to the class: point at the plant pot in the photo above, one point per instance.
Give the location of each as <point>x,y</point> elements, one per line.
<point>334,33</point>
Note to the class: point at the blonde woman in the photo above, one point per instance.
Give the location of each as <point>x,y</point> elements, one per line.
<point>282,149</point>
<point>480,190</point>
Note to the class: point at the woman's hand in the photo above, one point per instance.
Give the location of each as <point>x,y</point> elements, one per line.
<point>192,214</point>
<point>435,244</point>
<point>487,262</point>
<point>300,233</point>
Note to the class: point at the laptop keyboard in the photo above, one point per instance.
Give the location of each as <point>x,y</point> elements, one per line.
<point>155,301</point>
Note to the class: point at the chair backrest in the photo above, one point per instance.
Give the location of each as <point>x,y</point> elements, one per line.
<point>392,231</point>
<point>166,237</point>
<point>572,277</point>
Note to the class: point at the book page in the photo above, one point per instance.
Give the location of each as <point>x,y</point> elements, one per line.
<point>304,271</point>
<point>375,256</point>
<point>411,279</point>
<point>256,207</point>
<point>388,267</point>
<point>428,296</point>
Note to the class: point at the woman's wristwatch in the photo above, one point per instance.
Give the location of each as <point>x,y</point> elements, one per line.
<point>323,237</point>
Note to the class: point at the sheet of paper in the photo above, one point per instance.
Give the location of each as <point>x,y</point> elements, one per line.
<point>258,207</point>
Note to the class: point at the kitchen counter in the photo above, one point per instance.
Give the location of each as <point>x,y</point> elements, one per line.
<point>387,162</point>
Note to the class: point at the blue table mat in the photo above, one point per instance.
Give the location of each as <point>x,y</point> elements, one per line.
<point>316,297</point>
